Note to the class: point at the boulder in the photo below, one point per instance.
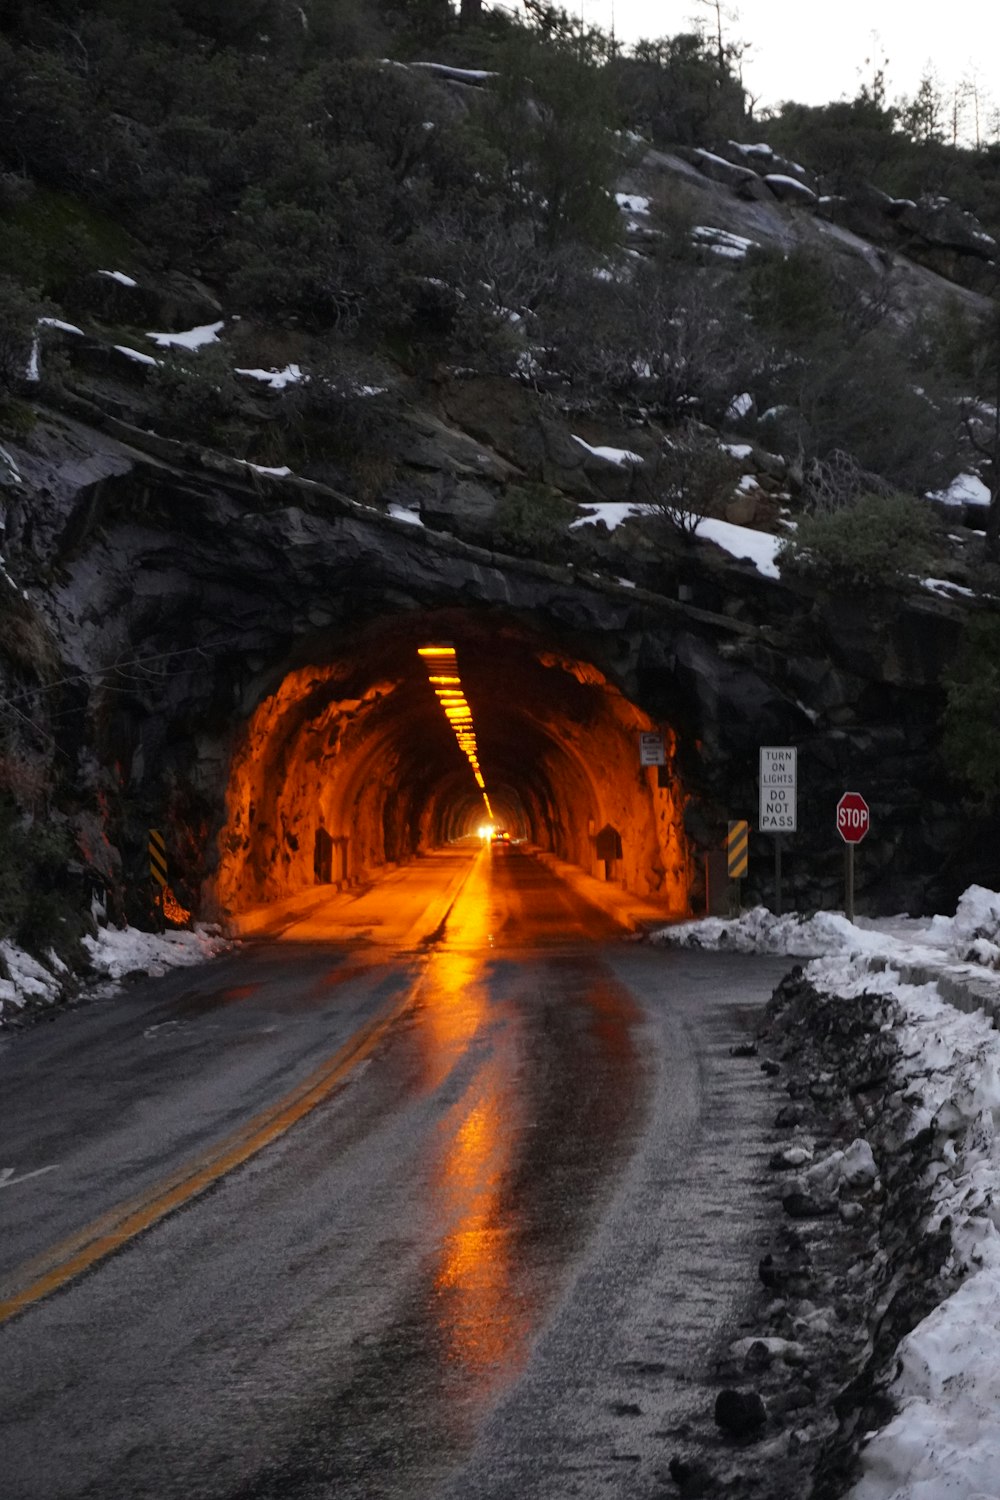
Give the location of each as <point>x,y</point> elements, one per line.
<point>940,224</point>
<point>428,443</point>
<point>740,1414</point>
<point>744,509</point>
<point>762,159</point>
<point>459,505</point>
<point>168,303</point>
<point>790,190</point>
<point>717,169</point>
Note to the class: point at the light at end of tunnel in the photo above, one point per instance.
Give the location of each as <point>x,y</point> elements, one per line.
<point>486,831</point>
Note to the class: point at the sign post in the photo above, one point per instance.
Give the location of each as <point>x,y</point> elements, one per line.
<point>778,801</point>
<point>853,822</point>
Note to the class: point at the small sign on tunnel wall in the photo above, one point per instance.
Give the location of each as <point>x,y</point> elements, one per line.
<point>157,847</point>
<point>608,843</point>
<point>651,749</point>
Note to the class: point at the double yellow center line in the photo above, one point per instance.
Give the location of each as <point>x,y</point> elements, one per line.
<point>46,1273</point>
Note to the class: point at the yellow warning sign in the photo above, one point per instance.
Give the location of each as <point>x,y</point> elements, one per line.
<point>738,848</point>
<point>157,857</point>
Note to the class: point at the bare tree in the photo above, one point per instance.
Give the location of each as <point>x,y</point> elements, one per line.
<point>832,483</point>
<point>728,54</point>
<point>691,478</point>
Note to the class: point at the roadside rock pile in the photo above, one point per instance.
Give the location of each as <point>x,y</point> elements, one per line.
<point>853,1265</point>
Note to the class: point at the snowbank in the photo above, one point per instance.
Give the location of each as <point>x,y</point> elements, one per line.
<point>113,954</point>
<point>945,1437</point>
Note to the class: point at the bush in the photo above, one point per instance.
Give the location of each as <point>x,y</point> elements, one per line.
<point>532,521</point>
<point>37,903</point>
<point>342,410</point>
<point>973,709</point>
<point>882,541</point>
<point>691,479</point>
<point>198,396</point>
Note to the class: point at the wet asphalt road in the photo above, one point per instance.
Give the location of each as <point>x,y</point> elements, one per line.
<point>487,1264</point>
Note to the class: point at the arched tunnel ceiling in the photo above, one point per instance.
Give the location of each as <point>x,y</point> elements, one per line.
<point>349,762</point>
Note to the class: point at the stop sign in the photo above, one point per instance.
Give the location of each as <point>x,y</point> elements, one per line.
<point>853,818</point>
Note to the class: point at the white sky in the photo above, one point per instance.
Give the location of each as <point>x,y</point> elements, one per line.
<point>816,52</point>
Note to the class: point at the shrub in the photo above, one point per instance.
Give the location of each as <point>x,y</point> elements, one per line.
<point>881,541</point>
<point>532,521</point>
<point>342,410</point>
<point>37,903</point>
<point>198,396</point>
<point>973,709</point>
<point>691,479</point>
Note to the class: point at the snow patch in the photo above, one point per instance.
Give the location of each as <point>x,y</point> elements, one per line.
<point>13,474</point>
<point>276,379</point>
<point>946,589</point>
<point>137,355</point>
<point>618,456</point>
<point>741,541</point>
<point>280,473</point>
<point>400,513</point>
<point>611,512</point>
<point>63,327</point>
<point>119,951</point>
<point>194,338</point>
<point>722,242</point>
<point>965,489</point>
<point>632,203</point>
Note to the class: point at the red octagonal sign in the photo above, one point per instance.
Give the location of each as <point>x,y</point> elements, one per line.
<point>853,819</point>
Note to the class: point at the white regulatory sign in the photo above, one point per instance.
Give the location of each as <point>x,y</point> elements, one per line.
<point>651,751</point>
<point>778,770</point>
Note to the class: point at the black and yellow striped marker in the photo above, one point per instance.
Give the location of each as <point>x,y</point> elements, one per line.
<point>157,857</point>
<point>737,849</point>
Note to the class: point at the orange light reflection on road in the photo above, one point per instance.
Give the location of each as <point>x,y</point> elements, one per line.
<point>453,998</point>
<point>482,1325</point>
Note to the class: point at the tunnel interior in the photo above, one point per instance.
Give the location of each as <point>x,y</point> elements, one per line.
<point>349,764</point>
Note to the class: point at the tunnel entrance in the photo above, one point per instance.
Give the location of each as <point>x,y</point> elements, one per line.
<point>348,764</point>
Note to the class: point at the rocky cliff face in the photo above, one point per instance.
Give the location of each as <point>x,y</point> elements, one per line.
<point>197,635</point>
<point>225,649</point>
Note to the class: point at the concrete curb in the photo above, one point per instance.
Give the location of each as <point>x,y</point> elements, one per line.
<point>636,914</point>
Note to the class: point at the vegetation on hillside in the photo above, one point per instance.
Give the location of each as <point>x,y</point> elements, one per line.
<point>274,152</point>
<point>356,210</point>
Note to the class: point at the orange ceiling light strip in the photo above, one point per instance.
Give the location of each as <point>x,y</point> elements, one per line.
<point>443,676</point>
